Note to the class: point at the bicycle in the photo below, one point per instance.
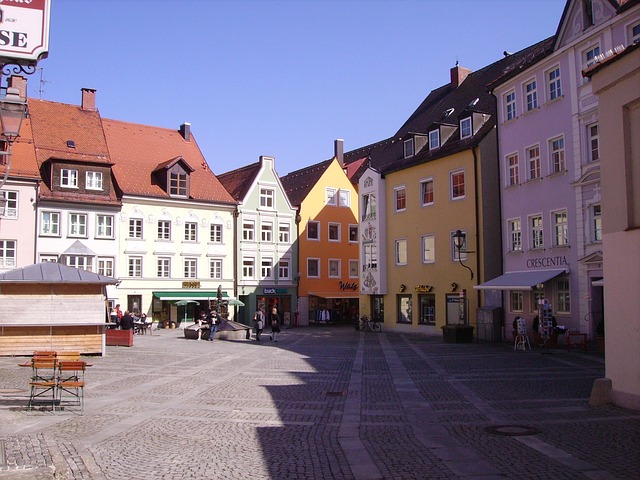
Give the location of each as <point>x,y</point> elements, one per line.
<point>367,325</point>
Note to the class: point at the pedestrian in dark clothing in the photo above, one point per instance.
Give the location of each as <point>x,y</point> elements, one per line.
<point>213,324</point>
<point>274,321</point>
<point>126,322</point>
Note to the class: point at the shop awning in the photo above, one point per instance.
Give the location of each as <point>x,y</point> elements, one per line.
<point>520,280</point>
<point>335,294</point>
<point>189,295</point>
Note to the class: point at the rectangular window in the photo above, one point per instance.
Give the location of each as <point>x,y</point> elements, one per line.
<point>408,148</point>
<point>104,226</point>
<point>284,269</point>
<point>284,233</point>
<point>77,225</point>
<point>434,139</point>
<point>190,268</point>
<point>369,206</point>
<point>510,105</point>
<point>465,128</point>
<point>105,266</point>
<point>353,268</point>
<point>313,267</point>
<point>135,267</point>
<point>554,84</point>
<point>370,256</point>
<point>331,196</point>
<point>531,95</point>
<point>590,56</point>
<point>400,194</point>
<point>164,230</point>
<point>556,147</point>
<point>401,251</point>
<point>94,181</point>
<point>515,235</point>
<point>533,160</point>
<point>353,233</point>
<point>135,228</point>
<point>215,233</point>
<point>594,142</point>
<point>428,249</point>
<point>79,261</point>
<point>266,268</point>
<point>248,228</point>
<point>635,33</point>
<point>190,231</point>
<point>248,268</point>
<point>267,197</point>
<point>334,268</point>
<point>7,253</point>
<point>537,297</point>
<point>164,268</point>
<point>596,213</point>
<point>50,224</point>
<point>48,258</point>
<point>560,228</point>
<point>266,232</point>
<point>457,185</point>
<point>178,184</point>
<point>313,230</point>
<point>69,178</point>
<point>563,296</point>
<point>334,232</point>
<point>9,204</point>
<point>426,192</point>
<point>344,197</point>
<point>215,268</point>
<point>515,301</point>
<point>514,169</point>
<point>427,309</point>
<point>535,224</point>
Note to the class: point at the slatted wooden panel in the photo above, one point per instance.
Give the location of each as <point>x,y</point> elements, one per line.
<point>23,309</point>
<point>25,340</point>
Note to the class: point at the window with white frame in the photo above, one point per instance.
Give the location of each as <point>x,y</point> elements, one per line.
<point>50,223</point>
<point>79,261</point>
<point>215,268</point>
<point>369,206</point>
<point>563,296</point>
<point>9,204</point>
<point>457,185</point>
<point>515,301</point>
<point>190,268</point>
<point>400,197</point>
<point>248,268</point>
<point>164,267</point>
<point>266,232</point>
<point>215,233</point>
<point>334,268</point>
<point>313,230</point>
<point>434,139</point>
<point>536,232</point>
<point>104,226</point>
<point>589,56</point>
<point>533,161</point>
<point>596,223</point>
<point>370,256</point>
<point>284,269</point>
<point>344,198</point>
<point>105,266</point>
<point>248,230</point>
<point>426,192</point>
<point>7,253</point>
<point>94,181</point>
<point>537,296</point>
<point>190,231</point>
<point>513,166</point>
<point>178,183</point>
<point>556,149</point>
<point>334,232</point>
<point>135,267</point>
<point>266,268</point>
<point>48,258</point>
<point>353,233</point>
<point>428,248</point>
<point>313,267</point>
<point>593,136</point>
<point>164,230</point>
<point>560,228</point>
<point>267,196</point>
<point>634,33</point>
<point>408,148</point>
<point>531,95</point>
<point>77,225</point>
<point>554,84</point>
<point>510,105</point>
<point>401,251</point>
<point>515,235</point>
<point>331,196</point>
<point>458,254</point>
<point>465,128</point>
<point>69,178</point>
<point>284,233</point>
<point>135,228</point>
<point>353,268</point>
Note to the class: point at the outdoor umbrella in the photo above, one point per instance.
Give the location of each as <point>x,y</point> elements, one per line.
<point>233,301</point>
<point>184,303</point>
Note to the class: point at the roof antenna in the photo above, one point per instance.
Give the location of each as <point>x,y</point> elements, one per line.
<point>42,82</point>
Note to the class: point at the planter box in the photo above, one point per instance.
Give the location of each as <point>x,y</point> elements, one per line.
<point>457,333</point>
<point>119,338</point>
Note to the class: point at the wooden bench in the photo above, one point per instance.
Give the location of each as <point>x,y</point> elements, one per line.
<point>119,338</point>
<point>576,339</point>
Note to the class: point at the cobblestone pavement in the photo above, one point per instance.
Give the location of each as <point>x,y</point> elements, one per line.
<point>322,403</point>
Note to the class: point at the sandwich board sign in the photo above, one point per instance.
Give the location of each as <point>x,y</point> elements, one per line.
<point>24,31</point>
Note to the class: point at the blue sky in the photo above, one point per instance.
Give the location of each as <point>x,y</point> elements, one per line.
<point>282,78</point>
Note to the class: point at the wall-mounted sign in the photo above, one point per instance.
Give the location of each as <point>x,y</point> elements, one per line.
<point>24,31</point>
<point>344,286</point>
<point>191,284</point>
<point>275,291</point>
<point>546,262</point>
<point>423,288</point>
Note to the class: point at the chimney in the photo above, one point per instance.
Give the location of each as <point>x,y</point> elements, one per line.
<point>458,74</point>
<point>185,131</point>
<point>19,82</point>
<point>338,151</point>
<point>88,99</point>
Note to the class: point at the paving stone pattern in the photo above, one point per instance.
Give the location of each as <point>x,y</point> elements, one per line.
<point>322,403</point>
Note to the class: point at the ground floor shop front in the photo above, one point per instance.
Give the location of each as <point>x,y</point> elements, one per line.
<point>284,300</point>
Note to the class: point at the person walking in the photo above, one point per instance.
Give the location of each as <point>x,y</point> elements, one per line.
<point>274,321</point>
<point>213,325</point>
<point>258,318</point>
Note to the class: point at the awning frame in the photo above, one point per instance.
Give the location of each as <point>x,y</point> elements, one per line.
<point>522,280</point>
<point>175,295</point>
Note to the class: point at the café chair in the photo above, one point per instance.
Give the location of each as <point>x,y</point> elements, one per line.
<point>43,382</point>
<point>70,384</point>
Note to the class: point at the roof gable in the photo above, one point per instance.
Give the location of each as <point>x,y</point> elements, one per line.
<point>298,184</point>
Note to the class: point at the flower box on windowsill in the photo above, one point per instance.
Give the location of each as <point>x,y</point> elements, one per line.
<point>457,333</point>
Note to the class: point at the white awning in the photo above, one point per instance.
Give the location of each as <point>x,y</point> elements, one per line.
<point>520,280</point>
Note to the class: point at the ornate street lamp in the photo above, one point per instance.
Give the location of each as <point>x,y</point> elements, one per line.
<point>459,239</point>
<point>13,110</point>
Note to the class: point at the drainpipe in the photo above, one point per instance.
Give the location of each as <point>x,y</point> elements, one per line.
<point>236,214</point>
<point>35,236</point>
<point>477,216</point>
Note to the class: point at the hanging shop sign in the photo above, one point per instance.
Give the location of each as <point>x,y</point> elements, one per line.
<point>24,31</point>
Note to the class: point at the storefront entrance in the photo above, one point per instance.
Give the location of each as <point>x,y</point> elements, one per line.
<point>334,311</point>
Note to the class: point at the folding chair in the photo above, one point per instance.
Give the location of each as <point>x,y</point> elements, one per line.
<point>43,382</point>
<point>70,384</point>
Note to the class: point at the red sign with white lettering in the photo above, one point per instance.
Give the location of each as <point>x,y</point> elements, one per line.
<point>24,31</point>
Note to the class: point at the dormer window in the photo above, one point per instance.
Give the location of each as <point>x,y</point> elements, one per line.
<point>408,148</point>
<point>465,128</point>
<point>69,178</point>
<point>178,182</point>
<point>434,139</point>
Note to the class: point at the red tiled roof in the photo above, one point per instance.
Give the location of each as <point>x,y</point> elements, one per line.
<point>237,182</point>
<point>137,150</point>
<point>23,160</point>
